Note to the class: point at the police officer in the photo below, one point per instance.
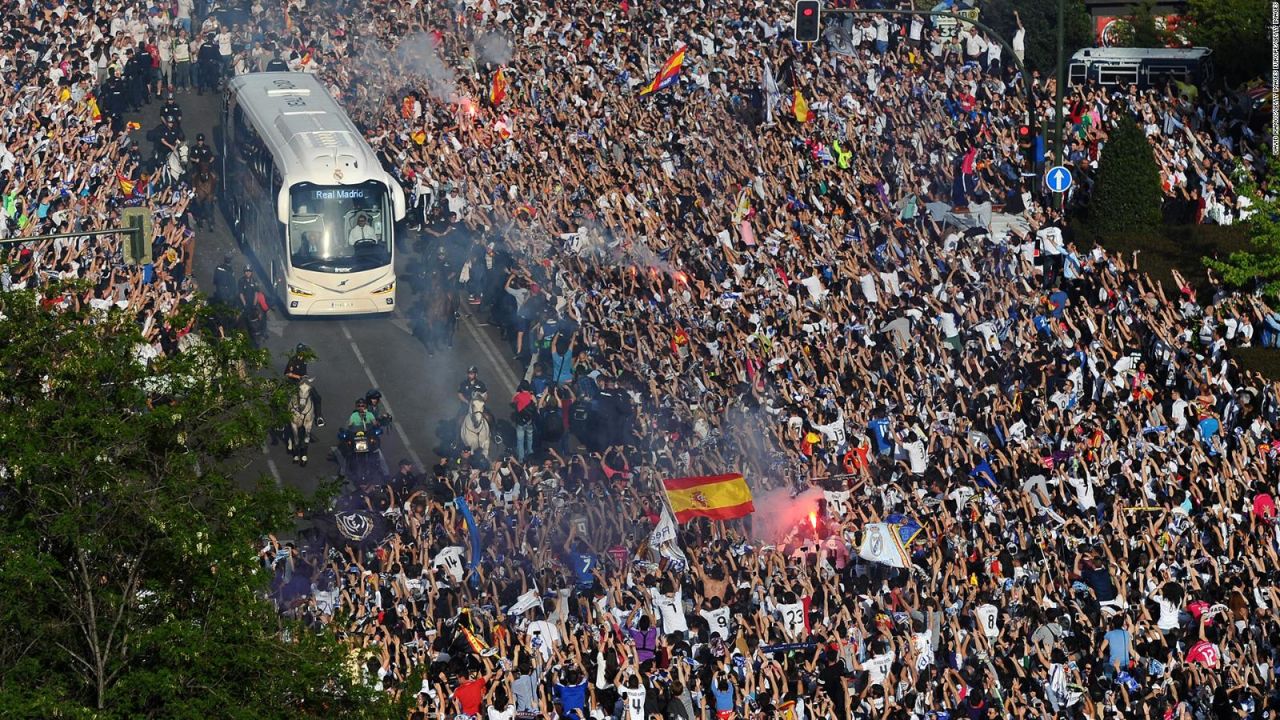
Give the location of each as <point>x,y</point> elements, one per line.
<point>405,480</point>
<point>168,136</point>
<point>115,100</point>
<point>248,288</point>
<point>210,64</point>
<point>296,369</point>
<point>200,152</point>
<point>170,109</point>
<point>224,282</point>
<point>141,76</point>
<point>469,388</point>
<point>276,64</point>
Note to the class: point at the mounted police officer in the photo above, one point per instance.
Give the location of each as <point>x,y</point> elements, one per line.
<point>296,369</point>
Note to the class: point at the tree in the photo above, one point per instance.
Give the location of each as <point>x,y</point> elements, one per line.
<point>1260,265</point>
<point>1127,195</point>
<point>1238,33</point>
<point>1040,18</point>
<point>129,580</point>
<point>1146,32</point>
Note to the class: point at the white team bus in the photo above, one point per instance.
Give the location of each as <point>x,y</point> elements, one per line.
<point>308,196</point>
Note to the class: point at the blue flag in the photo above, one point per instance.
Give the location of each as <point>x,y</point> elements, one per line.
<point>474,532</point>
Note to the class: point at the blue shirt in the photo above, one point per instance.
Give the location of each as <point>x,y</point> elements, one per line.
<point>562,367</point>
<point>723,698</point>
<point>1117,647</point>
<point>879,428</point>
<point>583,564</point>
<point>572,697</point>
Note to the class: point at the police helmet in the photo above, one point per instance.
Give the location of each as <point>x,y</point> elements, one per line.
<point>372,395</point>
<point>300,348</point>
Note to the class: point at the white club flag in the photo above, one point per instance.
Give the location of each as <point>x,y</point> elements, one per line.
<point>530,599</point>
<point>663,539</point>
<point>880,544</point>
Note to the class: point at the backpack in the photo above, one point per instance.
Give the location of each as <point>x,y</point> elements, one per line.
<point>527,415</point>
<point>551,425</point>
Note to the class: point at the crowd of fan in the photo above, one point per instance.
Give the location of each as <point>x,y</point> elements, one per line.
<point>69,162</point>
<point>701,284</point>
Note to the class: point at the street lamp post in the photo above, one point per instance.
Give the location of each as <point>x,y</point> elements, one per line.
<point>1060,86</point>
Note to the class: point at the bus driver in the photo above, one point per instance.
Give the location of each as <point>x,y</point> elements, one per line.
<point>362,231</point>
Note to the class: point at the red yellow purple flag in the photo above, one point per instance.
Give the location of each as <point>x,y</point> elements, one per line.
<point>668,74</point>
<point>718,497</point>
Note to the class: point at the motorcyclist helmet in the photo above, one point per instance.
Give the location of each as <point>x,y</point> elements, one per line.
<point>372,395</point>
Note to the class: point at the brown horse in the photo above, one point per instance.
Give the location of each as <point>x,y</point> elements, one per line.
<point>435,314</point>
<point>204,181</point>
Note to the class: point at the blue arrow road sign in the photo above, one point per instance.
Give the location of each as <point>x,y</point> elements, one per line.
<point>1058,178</point>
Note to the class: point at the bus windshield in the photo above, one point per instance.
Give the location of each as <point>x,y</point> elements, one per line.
<point>339,228</point>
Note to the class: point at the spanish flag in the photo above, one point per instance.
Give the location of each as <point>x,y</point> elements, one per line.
<point>126,185</point>
<point>668,74</point>
<point>94,111</point>
<point>498,89</point>
<point>801,108</point>
<point>718,497</point>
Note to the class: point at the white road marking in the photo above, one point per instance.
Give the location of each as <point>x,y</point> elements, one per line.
<point>271,465</point>
<point>505,375</point>
<point>402,324</point>
<point>413,455</point>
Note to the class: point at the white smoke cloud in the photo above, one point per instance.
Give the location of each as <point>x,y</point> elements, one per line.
<point>493,48</point>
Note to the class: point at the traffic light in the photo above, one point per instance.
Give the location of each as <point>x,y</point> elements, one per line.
<point>137,242</point>
<point>808,20</point>
<point>1026,143</point>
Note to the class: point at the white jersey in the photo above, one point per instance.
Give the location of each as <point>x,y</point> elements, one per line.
<point>633,700</point>
<point>988,618</point>
<point>878,667</point>
<point>792,619</point>
<point>718,620</point>
<point>450,559</point>
<point>544,636</point>
<point>671,610</point>
<point>837,503</point>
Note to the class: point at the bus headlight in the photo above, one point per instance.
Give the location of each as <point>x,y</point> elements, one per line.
<point>385,288</point>
<point>295,290</point>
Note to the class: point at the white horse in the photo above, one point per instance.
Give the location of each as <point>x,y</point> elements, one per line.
<point>302,418</point>
<point>175,165</point>
<point>475,432</point>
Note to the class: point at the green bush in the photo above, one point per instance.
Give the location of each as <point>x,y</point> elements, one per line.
<point>1127,195</point>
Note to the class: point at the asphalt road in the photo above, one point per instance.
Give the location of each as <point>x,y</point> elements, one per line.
<point>355,354</point>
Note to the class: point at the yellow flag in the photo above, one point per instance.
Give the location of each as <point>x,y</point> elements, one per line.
<point>801,108</point>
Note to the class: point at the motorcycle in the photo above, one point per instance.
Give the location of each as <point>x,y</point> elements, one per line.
<point>359,456</point>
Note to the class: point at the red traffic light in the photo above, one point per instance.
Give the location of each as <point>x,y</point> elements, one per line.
<point>808,20</point>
